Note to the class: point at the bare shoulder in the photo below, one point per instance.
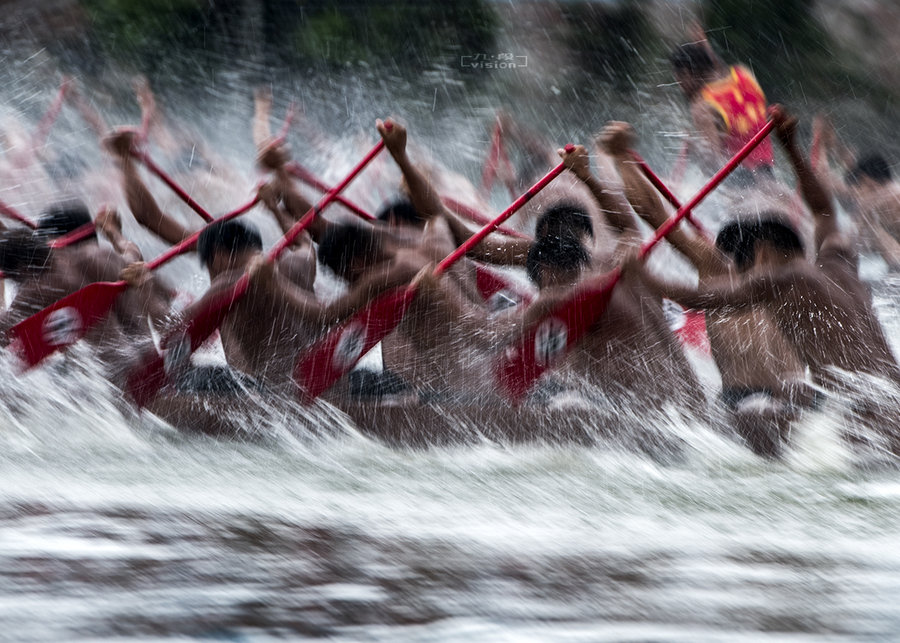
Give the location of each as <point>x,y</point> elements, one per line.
<point>838,252</point>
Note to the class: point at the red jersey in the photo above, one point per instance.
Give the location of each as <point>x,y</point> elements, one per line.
<point>741,103</point>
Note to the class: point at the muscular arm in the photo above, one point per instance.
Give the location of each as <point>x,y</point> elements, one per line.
<point>718,293</point>
<point>142,204</point>
<point>145,209</point>
<point>615,208</point>
<point>262,111</point>
<point>108,222</point>
<point>814,193</point>
<point>648,205</point>
<point>424,196</point>
<point>494,248</point>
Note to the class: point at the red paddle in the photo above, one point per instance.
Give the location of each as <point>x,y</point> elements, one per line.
<point>151,375</point>
<point>492,160</point>
<point>460,208</point>
<point>693,330</point>
<point>320,367</point>
<point>548,339</point>
<point>177,189</point>
<point>497,155</point>
<point>79,233</point>
<point>310,179</point>
<point>680,164</point>
<point>8,211</point>
<point>490,283</point>
<point>666,192</point>
<point>477,217</point>
<point>69,319</point>
<point>43,129</point>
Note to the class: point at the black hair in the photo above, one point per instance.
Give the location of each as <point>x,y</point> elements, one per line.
<point>780,234</point>
<point>227,236</point>
<point>343,243</point>
<point>62,218</point>
<point>874,166</point>
<point>735,239</point>
<point>22,251</point>
<point>564,251</point>
<point>693,58</point>
<point>561,218</point>
<point>401,211</point>
<point>739,238</point>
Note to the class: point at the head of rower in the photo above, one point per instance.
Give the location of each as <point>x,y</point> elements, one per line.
<point>768,241</point>
<point>694,67</point>
<point>870,173</point>
<point>559,253</point>
<point>564,219</point>
<point>401,213</point>
<point>228,245</point>
<point>350,250</point>
<point>62,218</point>
<point>557,261</point>
<point>23,254</point>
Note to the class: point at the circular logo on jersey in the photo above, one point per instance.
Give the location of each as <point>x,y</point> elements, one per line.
<point>62,327</point>
<point>350,346</point>
<point>176,353</point>
<point>550,341</point>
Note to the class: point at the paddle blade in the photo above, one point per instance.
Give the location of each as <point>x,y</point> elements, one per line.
<point>490,283</point>
<point>331,358</point>
<point>65,322</point>
<point>547,341</point>
<point>152,373</point>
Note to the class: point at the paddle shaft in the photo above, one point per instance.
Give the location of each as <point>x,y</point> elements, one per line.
<point>79,233</point>
<point>665,191</point>
<point>514,207</point>
<point>332,194</point>
<point>43,128</point>
<point>477,217</point>
<point>13,214</point>
<point>189,243</point>
<point>711,185</point>
<point>310,179</point>
<point>493,159</point>
<point>177,189</point>
<point>165,257</point>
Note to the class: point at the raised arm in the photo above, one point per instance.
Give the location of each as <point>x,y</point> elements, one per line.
<point>262,112</point>
<point>142,204</point>
<point>109,224</point>
<point>814,193</point>
<point>87,111</point>
<point>282,198</point>
<point>618,138</point>
<point>427,202</point>
<point>494,248</point>
<point>725,291</point>
<point>615,208</point>
<point>422,193</point>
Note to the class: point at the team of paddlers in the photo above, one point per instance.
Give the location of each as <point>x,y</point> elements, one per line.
<point>565,337</point>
